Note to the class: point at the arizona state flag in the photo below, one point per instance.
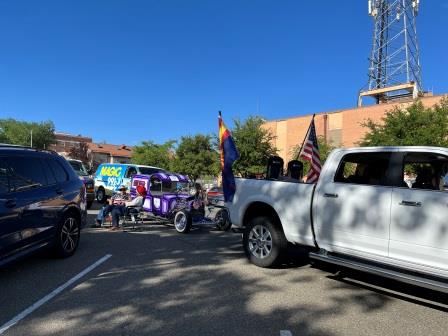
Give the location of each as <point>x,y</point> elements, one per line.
<point>229,154</point>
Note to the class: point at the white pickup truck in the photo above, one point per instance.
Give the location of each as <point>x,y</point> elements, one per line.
<point>382,210</point>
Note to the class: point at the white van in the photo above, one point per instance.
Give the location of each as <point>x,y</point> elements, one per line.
<point>110,176</point>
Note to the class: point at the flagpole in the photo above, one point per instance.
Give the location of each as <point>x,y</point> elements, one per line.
<point>306,136</point>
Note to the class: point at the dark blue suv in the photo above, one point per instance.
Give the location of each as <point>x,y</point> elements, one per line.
<point>42,203</point>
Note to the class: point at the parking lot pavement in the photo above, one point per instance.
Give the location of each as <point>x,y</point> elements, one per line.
<point>159,282</point>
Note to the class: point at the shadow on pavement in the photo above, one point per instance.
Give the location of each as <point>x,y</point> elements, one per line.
<point>159,282</point>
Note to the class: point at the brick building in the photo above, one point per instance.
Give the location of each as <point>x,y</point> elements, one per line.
<point>341,128</point>
<point>65,141</point>
<point>98,152</point>
<point>110,153</point>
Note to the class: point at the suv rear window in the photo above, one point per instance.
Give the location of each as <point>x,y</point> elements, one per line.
<point>58,171</point>
<point>26,172</point>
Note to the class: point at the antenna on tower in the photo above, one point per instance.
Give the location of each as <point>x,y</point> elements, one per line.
<point>394,70</point>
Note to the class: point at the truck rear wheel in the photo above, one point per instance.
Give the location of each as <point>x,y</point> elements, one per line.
<point>264,242</point>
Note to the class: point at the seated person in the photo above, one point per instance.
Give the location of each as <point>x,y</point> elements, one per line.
<point>121,210</point>
<point>199,200</point>
<point>117,198</point>
<point>426,179</point>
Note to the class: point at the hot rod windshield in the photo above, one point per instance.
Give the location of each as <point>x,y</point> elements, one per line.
<point>159,185</point>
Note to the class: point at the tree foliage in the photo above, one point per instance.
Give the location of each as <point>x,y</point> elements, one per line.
<point>196,156</point>
<point>411,126</point>
<point>254,144</point>
<point>80,152</point>
<point>152,154</point>
<point>19,133</point>
<point>324,150</point>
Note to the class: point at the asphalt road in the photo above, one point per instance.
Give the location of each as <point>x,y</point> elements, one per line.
<point>158,282</point>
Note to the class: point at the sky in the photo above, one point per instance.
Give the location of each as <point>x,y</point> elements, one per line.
<point>132,70</point>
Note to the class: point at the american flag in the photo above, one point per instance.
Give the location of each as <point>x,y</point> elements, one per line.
<point>310,152</point>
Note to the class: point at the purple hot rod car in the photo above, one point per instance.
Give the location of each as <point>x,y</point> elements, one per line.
<point>173,198</point>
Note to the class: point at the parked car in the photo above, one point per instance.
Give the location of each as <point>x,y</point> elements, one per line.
<point>111,176</point>
<point>215,196</point>
<point>84,176</point>
<point>42,203</point>
<point>360,214</point>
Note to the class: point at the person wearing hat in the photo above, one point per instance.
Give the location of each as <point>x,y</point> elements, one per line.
<point>120,210</point>
<point>118,198</point>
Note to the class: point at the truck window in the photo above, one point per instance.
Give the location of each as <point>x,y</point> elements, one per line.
<point>364,168</point>
<point>426,171</point>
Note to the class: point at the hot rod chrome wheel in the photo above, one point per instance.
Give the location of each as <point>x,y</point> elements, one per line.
<point>260,242</point>
<point>182,221</point>
<point>264,241</point>
<point>222,220</point>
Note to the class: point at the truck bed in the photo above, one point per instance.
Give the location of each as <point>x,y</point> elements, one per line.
<point>290,200</point>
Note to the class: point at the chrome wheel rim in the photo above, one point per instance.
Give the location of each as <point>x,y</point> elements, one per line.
<point>69,235</point>
<point>180,221</point>
<point>100,195</point>
<point>219,219</point>
<point>260,242</point>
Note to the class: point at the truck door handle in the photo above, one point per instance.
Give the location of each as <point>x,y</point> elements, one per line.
<point>411,203</point>
<point>331,195</point>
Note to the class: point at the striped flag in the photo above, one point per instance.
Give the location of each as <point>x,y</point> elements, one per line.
<point>310,152</point>
<point>229,154</point>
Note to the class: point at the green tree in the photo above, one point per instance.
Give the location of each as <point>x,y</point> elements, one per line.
<point>152,154</point>
<point>19,133</point>
<point>80,152</point>
<point>411,126</point>
<point>196,156</point>
<point>254,143</point>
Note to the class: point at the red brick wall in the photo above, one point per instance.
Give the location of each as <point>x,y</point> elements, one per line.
<point>291,132</point>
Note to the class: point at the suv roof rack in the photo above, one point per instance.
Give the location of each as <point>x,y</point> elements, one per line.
<point>28,148</point>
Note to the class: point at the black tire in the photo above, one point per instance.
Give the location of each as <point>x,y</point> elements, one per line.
<point>67,236</point>
<point>223,220</point>
<point>101,195</point>
<point>264,242</point>
<point>183,221</point>
<point>89,204</point>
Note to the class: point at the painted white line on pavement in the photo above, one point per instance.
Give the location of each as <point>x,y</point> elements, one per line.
<point>48,297</point>
<point>285,333</point>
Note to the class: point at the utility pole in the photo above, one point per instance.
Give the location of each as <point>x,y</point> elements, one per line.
<point>31,132</point>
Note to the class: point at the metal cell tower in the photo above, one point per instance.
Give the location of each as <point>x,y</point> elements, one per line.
<point>394,70</point>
